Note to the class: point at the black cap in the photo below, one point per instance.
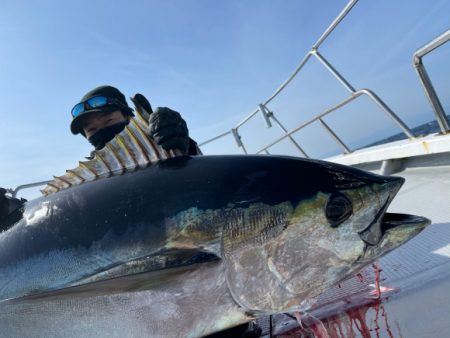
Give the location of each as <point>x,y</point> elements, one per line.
<point>107,91</point>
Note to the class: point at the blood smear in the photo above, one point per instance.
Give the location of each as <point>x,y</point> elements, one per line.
<point>352,323</point>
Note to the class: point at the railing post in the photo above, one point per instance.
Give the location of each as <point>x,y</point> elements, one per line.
<point>238,139</point>
<point>433,98</point>
<point>333,71</point>
<point>430,92</point>
<point>334,136</point>
<point>408,132</point>
<point>289,136</point>
<point>266,114</point>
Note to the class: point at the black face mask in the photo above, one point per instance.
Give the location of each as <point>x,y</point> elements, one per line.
<point>103,136</point>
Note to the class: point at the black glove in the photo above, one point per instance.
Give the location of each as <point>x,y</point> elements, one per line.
<point>4,209</point>
<point>142,104</point>
<point>169,130</point>
<point>8,204</point>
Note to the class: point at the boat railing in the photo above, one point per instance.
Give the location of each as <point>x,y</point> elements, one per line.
<point>14,191</point>
<point>270,118</point>
<point>354,95</point>
<point>441,117</point>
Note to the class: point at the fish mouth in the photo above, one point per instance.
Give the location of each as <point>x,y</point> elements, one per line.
<point>392,224</point>
<point>395,230</point>
<point>392,221</point>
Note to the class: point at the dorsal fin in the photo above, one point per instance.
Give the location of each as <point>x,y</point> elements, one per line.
<point>127,151</point>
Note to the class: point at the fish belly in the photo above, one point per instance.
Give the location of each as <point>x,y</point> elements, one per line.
<point>191,301</point>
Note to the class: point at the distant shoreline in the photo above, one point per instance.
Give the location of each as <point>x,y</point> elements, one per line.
<point>422,130</point>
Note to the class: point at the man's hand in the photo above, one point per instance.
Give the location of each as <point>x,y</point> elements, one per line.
<point>166,127</point>
<point>169,130</point>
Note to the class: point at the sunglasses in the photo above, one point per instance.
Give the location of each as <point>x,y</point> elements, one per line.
<point>92,103</point>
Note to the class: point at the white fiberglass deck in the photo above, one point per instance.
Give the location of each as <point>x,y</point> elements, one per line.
<point>425,145</point>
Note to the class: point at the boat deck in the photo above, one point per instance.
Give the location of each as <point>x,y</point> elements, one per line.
<point>415,278</point>
<point>408,148</point>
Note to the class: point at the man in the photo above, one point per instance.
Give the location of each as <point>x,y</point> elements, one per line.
<point>103,112</point>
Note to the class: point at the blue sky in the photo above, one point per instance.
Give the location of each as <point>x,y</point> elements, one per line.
<point>214,62</point>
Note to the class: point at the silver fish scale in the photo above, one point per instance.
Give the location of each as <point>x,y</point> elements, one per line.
<point>254,225</point>
<point>129,150</point>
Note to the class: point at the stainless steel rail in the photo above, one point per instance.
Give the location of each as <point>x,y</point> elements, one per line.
<point>441,117</point>
<point>270,116</point>
<point>335,23</point>
<point>327,32</point>
<point>14,191</point>
<point>319,118</point>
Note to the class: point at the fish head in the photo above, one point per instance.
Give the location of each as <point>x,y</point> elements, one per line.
<point>311,243</point>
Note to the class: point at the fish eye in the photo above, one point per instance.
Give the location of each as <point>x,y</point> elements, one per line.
<point>339,209</point>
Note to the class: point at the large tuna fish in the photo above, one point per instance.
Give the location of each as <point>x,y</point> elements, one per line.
<point>191,245</point>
